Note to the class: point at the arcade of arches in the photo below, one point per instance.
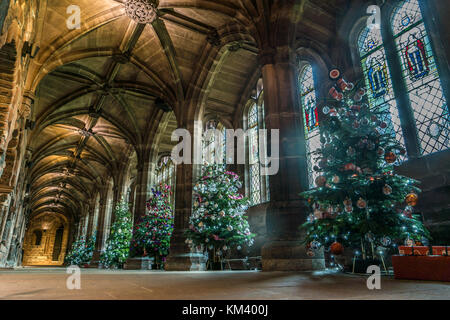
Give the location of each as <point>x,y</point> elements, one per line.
<point>86,114</point>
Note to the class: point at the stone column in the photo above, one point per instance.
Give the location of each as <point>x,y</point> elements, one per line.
<point>100,233</point>
<point>180,257</point>
<point>90,217</point>
<point>286,211</point>
<point>142,189</point>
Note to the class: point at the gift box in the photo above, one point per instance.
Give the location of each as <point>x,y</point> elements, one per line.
<point>418,251</point>
<point>433,268</point>
<point>440,250</point>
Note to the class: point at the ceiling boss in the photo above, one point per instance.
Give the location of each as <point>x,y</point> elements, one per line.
<point>142,11</point>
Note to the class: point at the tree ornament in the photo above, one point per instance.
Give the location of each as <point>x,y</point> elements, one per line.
<point>335,94</point>
<point>347,202</point>
<point>336,248</point>
<point>365,121</point>
<point>361,203</point>
<point>349,167</point>
<point>383,125</point>
<point>411,199</point>
<point>320,181</point>
<point>369,237</point>
<point>349,209</point>
<point>336,179</point>
<point>357,97</point>
<point>387,190</point>
<point>350,152</point>
<point>380,151</point>
<point>318,214</point>
<point>333,113</point>
<point>343,85</point>
<point>355,124</point>
<point>390,157</point>
<point>386,241</point>
<point>310,253</point>
<point>334,74</point>
<point>326,110</point>
<point>314,245</point>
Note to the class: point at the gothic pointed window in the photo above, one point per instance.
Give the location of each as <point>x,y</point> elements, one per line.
<point>165,174</point>
<point>254,160</point>
<point>258,184</point>
<point>378,80</point>
<point>310,118</point>
<point>211,147</point>
<point>421,77</point>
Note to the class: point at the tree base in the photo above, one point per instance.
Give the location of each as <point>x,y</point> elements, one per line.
<point>290,256</point>
<point>141,263</point>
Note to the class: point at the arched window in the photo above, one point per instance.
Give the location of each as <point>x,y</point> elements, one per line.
<point>254,160</point>
<point>378,79</point>
<point>209,142</point>
<point>421,77</point>
<point>165,174</point>
<point>310,118</point>
<point>258,185</point>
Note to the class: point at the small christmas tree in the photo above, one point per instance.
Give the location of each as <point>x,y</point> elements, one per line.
<point>81,252</point>
<point>218,222</point>
<point>356,200</point>
<point>153,232</point>
<point>118,243</point>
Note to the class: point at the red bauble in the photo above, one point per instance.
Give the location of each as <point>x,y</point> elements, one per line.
<point>320,181</point>
<point>336,248</point>
<point>390,157</point>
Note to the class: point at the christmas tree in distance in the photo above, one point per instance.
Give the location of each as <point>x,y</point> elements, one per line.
<point>118,243</point>
<point>218,222</point>
<point>154,230</point>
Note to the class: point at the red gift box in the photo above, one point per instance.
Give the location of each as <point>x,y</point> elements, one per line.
<point>418,251</point>
<point>431,268</point>
<point>440,251</point>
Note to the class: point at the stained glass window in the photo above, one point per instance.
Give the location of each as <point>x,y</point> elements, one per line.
<point>378,80</point>
<point>254,160</point>
<point>421,77</point>
<point>165,174</point>
<point>311,119</point>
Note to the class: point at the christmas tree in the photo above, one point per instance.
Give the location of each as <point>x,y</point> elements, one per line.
<point>81,252</point>
<point>359,200</point>
<point>153,232</point>
<point>218,222</point>
<point>118,243</point>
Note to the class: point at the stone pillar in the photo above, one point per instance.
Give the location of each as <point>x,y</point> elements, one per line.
<point>286,211</point>
<point>180,257</point>
<point>90,217</point>
<point>142,189</point>
<point>100,233</point>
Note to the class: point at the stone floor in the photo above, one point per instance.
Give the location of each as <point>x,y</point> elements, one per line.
<point>50,283</point>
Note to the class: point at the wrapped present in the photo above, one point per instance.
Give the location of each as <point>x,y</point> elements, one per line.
<point>440,250</point>
<point>418,251</point>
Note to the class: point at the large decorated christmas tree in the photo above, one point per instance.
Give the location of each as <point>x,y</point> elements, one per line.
<point>154,230</point>
<point>218,222</point>
<point>359,201</point>
<point>81,252</point>
<point>118,243</point>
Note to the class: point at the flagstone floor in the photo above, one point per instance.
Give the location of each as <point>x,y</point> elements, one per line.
<point>50,283</point>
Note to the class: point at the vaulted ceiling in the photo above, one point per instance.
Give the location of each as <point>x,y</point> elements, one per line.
<point>113,88</point>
